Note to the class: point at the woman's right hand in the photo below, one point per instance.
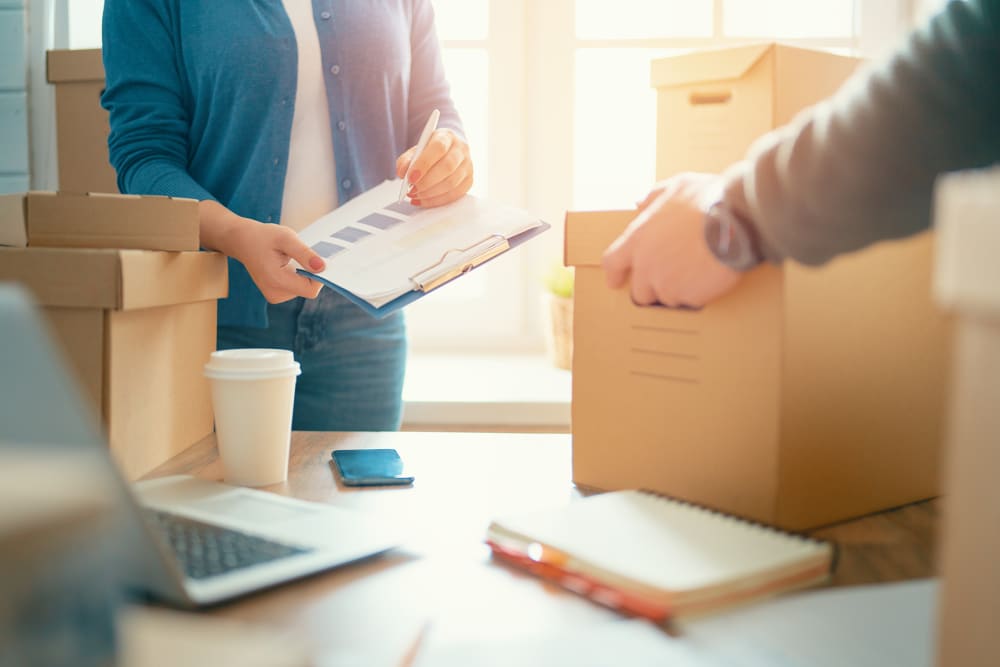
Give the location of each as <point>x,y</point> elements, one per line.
<point>266,250</point>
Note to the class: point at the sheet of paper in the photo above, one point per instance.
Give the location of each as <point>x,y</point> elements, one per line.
<point>374,245</point>
<point>865,626</point>
<point>884,624</point>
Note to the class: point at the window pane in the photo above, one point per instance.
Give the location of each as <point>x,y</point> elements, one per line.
<point>468,72</point>
<point>85,23</point>
<point>614,127</point>
<point>637,19</point>
<point>788,19</point>
<point>462,19</point>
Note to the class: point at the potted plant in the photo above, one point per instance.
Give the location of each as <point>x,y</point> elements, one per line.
<point>559,307</point>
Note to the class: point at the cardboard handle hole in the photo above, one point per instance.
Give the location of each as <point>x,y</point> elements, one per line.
<point>709,97</point>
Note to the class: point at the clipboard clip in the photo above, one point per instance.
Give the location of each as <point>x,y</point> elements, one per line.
<point>444,270</point>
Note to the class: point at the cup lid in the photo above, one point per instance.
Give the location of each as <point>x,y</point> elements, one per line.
<point>251,363</point>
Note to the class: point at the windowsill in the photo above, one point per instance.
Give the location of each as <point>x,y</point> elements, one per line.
<point>508,391</point>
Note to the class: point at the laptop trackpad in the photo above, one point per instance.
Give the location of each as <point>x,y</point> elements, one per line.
<point>249,507</point>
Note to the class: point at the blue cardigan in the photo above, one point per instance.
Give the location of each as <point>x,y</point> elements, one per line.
<point>201,96</point>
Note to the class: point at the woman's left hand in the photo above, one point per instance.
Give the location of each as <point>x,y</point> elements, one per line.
<point>441,174</point>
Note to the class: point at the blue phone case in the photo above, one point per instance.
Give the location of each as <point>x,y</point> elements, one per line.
<point>370,467</point>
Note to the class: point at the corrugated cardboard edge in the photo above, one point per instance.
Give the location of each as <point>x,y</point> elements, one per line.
<point>72,65</point>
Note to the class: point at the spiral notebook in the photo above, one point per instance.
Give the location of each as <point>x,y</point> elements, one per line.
<point>657,557</point>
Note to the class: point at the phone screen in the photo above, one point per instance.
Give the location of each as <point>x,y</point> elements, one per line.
<point>370,467</point>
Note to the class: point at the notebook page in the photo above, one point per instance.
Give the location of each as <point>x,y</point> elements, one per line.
<point>665,544</point>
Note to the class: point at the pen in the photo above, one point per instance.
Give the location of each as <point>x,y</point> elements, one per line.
<point>425,136</point>
<point>410,657</point>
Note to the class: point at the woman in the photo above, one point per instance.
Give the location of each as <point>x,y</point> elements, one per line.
<point>275,111</point>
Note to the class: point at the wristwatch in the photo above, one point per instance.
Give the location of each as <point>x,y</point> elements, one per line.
<point>731,239</point>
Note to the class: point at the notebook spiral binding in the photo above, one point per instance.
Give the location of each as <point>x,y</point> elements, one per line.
<point>760,525</point>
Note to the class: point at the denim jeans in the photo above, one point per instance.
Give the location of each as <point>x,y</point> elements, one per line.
<point>352,364</point>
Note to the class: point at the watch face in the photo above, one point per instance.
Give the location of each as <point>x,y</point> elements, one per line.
<point>729,239</point>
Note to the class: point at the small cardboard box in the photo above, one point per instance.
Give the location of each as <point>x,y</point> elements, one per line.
<point>137,327</point>
<point>711,105</point>
<point>82,126</point>
<point>804,397</point>
<point>968,282</point>
<point>71,220</point>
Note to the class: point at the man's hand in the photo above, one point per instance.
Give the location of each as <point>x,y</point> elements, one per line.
<point>441,173</point>
<point>663,250</point>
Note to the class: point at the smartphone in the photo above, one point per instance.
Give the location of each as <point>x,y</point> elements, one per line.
<point>370,467</point>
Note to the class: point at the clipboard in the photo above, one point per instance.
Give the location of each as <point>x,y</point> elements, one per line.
<point>442,272</point>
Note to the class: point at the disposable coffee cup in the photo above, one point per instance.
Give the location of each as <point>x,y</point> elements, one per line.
<point>252,395</point>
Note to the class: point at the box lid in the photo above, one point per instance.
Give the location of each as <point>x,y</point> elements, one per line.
<point>67,66</point>
<point>967,220</point>
<point>115,279</point>
<point>589,233</point>
<point>98,220</point>
<point>707,65</point>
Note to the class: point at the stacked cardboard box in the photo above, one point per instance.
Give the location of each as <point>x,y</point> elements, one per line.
<point>81,123</point>
<point>806,396</point>
<point>121,281</point>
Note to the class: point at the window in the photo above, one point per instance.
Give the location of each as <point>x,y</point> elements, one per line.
<point>84,20</point>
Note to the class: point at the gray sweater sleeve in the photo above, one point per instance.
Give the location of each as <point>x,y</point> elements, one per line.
<point>860,167</point>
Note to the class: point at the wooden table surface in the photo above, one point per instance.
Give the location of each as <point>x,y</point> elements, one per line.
<point>370,610</point>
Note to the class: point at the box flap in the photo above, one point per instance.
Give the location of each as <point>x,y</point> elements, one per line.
<point>67,66</point>
<point>13,225</point>
<point>98,220</point>
<point>967,273</point>
<point>116,279</point>
<point>707,65</point>
<point>589,233</point>
<point>163,278</point>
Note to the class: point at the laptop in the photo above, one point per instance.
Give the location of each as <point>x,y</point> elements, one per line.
<point>181,540</point>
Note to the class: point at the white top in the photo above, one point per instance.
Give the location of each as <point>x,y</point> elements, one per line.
<point>311,180</point>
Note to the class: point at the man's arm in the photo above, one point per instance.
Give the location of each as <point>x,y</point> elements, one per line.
<point>849,172</point>
<point>860,167</point>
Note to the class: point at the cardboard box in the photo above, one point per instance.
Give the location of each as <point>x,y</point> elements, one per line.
<point>137,326</point>
<point>82,126</point>
<point>70,220</point>
<point>711,105</point>
<point>968,282</point>
<point>802,398</point>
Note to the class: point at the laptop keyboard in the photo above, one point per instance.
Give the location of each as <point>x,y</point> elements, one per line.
<point>207,550</point>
